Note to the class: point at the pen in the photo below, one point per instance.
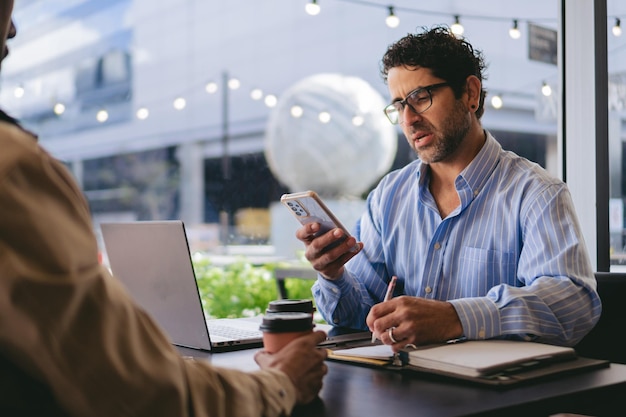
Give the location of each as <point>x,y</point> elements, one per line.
<point>388,295</point>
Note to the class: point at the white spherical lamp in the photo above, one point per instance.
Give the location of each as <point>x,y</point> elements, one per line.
<point>331,155</point>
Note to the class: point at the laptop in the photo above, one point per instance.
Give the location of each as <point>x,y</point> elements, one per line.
<point>152,260</point>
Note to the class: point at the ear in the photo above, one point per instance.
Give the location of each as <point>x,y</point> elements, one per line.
<point>473,89</point>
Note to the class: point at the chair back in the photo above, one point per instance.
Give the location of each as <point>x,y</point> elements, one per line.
<point>603,341</point>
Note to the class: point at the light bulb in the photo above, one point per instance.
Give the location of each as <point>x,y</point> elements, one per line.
<point>59,108</point>
<point>271,100</point>
<point>256,94</point>
<point>457,28</point>
<point>210,87</point>
<point>180,103</point>
<point>617,29</point>
<point>514,32</point>
<point>546,90</point>
<point>392,20</point>
<point>296,111</point>
<point>312,8</point>
<point>102,116</point>
<point>324,117</point>
<point>358,120</point>
<point>142,113</point>
<point>496,102</point>
<point>234,83</point>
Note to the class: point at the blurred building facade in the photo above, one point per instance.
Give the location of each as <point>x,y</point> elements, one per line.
<point>138,97</point>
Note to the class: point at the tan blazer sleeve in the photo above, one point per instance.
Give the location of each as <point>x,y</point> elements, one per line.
<point>64,321</point>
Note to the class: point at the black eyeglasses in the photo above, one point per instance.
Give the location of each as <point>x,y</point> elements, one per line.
<point>418,100</point>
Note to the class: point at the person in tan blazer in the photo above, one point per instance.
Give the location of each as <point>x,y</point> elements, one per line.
<point>73,342</point>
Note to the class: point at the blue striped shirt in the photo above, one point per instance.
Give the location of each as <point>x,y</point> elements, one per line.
<point>511,258</point>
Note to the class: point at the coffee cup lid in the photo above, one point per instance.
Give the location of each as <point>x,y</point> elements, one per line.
<point>287,322</point>
<point>292,305</point>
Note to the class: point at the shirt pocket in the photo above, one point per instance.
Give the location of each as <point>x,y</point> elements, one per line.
<point>481,269</point>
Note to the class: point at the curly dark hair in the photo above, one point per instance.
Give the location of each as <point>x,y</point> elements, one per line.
<point>449,57</point>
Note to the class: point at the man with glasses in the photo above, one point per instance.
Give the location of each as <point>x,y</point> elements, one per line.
<point>484,243</point>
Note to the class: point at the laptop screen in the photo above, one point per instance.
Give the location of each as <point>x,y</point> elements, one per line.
<point>152,260</point>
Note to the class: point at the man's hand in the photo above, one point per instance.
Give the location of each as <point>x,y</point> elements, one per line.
<point>327,261</point>
<point>302,361</point>
<point>414,320</point>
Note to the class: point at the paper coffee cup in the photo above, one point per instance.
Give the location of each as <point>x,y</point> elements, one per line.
<point>281,328</point>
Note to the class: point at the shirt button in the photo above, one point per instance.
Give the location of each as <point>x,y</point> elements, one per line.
<point>481,333</point>
<point>475,193</point>
<point>437,245</point>
<point>428,290</point>
<point>335,321</point>
<point>335,290</point>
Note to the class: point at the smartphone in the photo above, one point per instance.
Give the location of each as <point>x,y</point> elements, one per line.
<point>308,207</point>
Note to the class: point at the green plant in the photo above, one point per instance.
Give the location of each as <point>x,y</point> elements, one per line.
<point>241,289</point>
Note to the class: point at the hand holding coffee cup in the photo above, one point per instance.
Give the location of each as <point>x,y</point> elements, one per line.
<point>302,361</point>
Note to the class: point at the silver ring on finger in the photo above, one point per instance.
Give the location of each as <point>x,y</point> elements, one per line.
<point>390,331</point>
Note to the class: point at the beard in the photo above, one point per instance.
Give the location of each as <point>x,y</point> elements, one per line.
<point>448,138</point>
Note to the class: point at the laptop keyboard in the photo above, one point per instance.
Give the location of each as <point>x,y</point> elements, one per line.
<point>233,333</point>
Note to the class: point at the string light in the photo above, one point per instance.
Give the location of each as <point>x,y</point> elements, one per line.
<point>256,94</point>
<point>496,102</point>
<point>296,111</point>
<point>142,113</point>
<point>358,120</point>
<point>59,108</point>
<point>234,83</point>
<point>457,28</point>
<point>514,32</point>
<point>312,8</point>
<point>617,28</point>
<point>392,20</point>
<point>271,100</point>
<point>211,87</point>
<point>102,116</point>
<point>180,103</point>
<point>324,117</point>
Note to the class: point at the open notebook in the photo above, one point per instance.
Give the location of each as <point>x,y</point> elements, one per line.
<point>492,362</point>
<point>152,260</point>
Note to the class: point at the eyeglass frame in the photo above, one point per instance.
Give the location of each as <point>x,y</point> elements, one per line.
<point>429,89</point>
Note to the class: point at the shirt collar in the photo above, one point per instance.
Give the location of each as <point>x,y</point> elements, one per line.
<point>476,174</point>
<point>472,179</point>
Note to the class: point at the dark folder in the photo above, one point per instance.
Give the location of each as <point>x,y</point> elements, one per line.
<point>491,362</point>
